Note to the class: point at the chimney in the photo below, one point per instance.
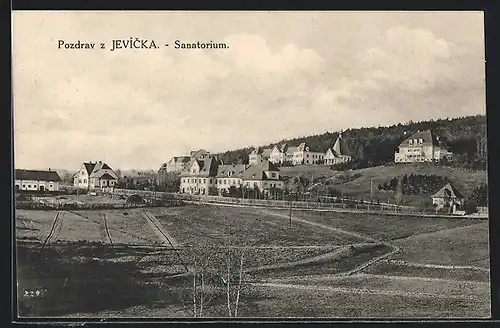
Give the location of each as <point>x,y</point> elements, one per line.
<point>49,169</point>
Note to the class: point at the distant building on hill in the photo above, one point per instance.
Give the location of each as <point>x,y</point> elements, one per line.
<point>295,155</point>
<point>258,155</point>
<point>422,146</point>
<point>184,162</point>
<point>34,180</point>
<point>95,175</point>
<point>448,197</point>
<point>339,153</point>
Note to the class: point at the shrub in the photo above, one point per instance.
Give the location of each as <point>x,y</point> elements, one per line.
<point>135,199</point>
<point>470,206</point>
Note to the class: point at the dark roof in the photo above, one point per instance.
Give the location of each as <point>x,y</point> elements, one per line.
<point>237,170</point>
<point>106,176</point>
<point>448,191</point>
<point>340,147</point>
<point>427,137</point>
<point>89,167</point>
<point>37,175</point>
<point>258,172</point>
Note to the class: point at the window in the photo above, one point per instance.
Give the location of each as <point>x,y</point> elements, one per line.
<point>420,141</point>
<point>210,180</point>
<point>51,186</point>
<point>79,180</point>
<point>273,175</point>
<point>29,186</point>
<point>24,186</point>
<point>84,180</point>
<point>410,142</point>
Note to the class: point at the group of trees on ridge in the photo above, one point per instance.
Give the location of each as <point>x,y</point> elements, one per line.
<point>376,145</point>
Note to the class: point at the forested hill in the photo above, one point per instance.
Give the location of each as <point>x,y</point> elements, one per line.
<point>376,145</point>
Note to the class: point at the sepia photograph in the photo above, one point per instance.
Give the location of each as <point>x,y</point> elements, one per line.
<point>250,164</point>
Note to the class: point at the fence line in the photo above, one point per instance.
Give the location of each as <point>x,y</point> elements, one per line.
<point>30,205</point>
<point>347,204</point>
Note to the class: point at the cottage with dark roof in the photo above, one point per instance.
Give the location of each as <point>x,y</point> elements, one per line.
<point>447,197</point>
<point>95,175</point>
<point>422,146</point>
<point>34,180</point>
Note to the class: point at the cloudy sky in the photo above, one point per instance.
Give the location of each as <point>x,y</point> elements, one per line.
<point>284,75</point>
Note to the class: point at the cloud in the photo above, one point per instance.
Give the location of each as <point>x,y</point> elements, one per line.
<point>138,108</point>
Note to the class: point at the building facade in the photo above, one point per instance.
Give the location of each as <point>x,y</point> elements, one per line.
<point>35,180</point>
<point>258,155</point>
<point>422,146</point>
<point>304,155</point>
<point>339,153</point>
<point>448,197</point>
<point>95,175</point>
<point>200,177</point>
<point>211,175</point>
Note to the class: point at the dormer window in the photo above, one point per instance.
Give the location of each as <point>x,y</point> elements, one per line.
<point>420,141</point>
<point>410,142</point>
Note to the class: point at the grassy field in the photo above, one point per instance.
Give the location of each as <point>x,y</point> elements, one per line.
<point>117,263</point>
<point>464,180</point>
<point>383,227</point>
<point>209,225</point>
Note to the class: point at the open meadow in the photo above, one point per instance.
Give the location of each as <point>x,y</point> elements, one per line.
<point>177,262</point>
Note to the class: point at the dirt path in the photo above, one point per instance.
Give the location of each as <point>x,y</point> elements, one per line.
<point>105,220</point>
<point>162,233</point>
<point>54,231</point>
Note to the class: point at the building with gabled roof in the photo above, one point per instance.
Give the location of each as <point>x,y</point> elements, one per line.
<point>176,164</point>
<point>36,180</point>
<point>259,154</point>
<point>339,152</point>
<point>447,197</point>
<point>95,175</point>
<point>200,177</point>
<point>304,154</point>
<point>229,175</point>
<point>422,146</point>
<point>263,176</point>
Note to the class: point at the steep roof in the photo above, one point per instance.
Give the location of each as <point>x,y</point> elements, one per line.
<point>266,151</point>
<point>195,153</point>
<point>340,147</point>
<point>427,137</point>
<point>107,176</point>
<point>448,191</point>
<point>89,167</point>
<point>258,172</point>
<point>208,167</point>
<point>99,171</point>
<point>237,169</point>
<point>182,159</point>
<point>37,175</point>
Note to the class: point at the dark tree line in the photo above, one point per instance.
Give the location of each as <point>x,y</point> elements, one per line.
<point>375,146</point>
<point>415,184</point>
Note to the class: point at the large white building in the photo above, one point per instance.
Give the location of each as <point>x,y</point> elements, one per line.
<point>33,180</point>
<point>295,155</point>
<point>211,174</point>
<point>422,146</point>
<point>95,175</point>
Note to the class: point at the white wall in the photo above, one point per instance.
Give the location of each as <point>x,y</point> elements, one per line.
<point>34,185</point>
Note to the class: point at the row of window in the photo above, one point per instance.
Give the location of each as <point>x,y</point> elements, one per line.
<point>35,186</point>
<point>415,141</point>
